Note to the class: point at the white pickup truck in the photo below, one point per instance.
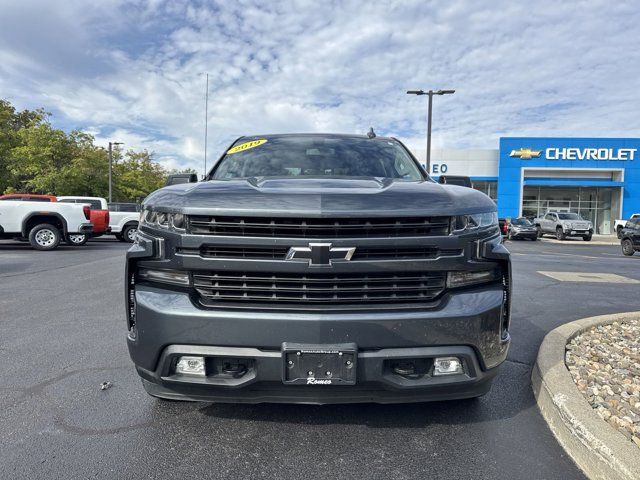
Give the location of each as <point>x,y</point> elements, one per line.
<point>563,225</point>
<point>123,220</point>
<point>619,224</point>
<point>44,224</point>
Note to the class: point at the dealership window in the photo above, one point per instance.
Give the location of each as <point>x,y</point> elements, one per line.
<point>599,205</point>
<point>487,187</point>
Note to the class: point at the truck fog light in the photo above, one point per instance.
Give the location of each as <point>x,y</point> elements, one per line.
<point>191,366</point>
<point>447,366</point>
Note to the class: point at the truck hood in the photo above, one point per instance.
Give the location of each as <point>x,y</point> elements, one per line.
<point>317,197</point>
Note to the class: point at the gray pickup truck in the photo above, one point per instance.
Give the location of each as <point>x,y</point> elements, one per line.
<point>563,225</point>
<point>317,269</point>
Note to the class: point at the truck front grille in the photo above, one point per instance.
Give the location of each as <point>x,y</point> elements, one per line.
<point>318,288</point>
<point>319,227</point>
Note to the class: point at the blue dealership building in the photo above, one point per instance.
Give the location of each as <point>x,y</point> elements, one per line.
<point>599,178</point>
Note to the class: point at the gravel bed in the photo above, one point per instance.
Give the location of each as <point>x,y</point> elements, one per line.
<point>604,362</point>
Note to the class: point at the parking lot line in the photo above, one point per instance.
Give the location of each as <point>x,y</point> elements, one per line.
<point>594,277</point>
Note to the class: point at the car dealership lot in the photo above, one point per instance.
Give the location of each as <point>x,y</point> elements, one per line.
<point>63,334</point>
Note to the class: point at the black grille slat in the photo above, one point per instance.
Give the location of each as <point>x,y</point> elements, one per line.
<point>361,253</point>
<point>318,227</point>
<point>403,253</point>
<point>240,252</point>
<point>339,289</point>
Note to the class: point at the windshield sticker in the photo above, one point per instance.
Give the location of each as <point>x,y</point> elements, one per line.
<point>246,146</point>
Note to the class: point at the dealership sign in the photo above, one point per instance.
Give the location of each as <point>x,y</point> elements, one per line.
<point>577,153</point>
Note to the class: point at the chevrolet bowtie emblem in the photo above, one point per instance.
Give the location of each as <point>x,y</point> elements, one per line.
<point>320,254</point>
<point>525,153</point>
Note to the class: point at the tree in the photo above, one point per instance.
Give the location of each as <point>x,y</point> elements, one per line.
<point>11,123</point>
<point>36,157</point>
<point>137,175</point>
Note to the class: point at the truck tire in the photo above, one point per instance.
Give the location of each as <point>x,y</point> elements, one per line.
<point>587,238</point>
<point>129,233</point>
<point>44,237</point>
<point>560,233</point>
<point>619,231</point>
<point>539,228</point>
<point>77,239</point>
<point>627,247</point>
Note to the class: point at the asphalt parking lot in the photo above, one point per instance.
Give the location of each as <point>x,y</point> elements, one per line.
<point>63,334</point>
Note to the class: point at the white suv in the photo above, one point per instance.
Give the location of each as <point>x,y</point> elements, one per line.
<point>123,220</point>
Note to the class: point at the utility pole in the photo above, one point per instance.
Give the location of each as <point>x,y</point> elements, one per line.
<point>206,122</point>
<point>431,93</point>
<point>111,144</point>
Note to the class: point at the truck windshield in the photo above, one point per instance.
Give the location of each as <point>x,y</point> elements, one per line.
<point>314,156</point>
<point>569,216</point>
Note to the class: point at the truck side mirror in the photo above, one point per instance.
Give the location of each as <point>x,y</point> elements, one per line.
<point>178,178</point>
<point>455,180</point>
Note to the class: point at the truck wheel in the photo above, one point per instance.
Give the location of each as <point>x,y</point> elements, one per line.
<point>44,237</point>
<point>619,231</point>
<point>77,240</point>
<point>560,233</point>
<point>587,238</point>
<point>627,247</point>
<point>539,228</point>
<point>129,233</point>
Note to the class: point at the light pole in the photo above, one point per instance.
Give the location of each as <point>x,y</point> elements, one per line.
<point>111,144</point>
<point>431,93</point>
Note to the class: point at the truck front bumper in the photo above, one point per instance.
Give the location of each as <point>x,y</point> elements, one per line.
<point>468,325</point>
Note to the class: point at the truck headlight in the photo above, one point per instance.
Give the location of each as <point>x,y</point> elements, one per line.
<point>164,220</point>
<point>474,222</point>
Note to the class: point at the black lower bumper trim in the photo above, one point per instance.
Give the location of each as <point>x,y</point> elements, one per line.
<point>262,383</point>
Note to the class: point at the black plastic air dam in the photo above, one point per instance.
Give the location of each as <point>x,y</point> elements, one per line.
<point>376,383</point>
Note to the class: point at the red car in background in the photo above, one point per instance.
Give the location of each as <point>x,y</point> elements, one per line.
<point>28,197</point>
<point>99,217</point>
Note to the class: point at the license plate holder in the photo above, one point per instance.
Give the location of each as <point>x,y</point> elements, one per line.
<point>334,364</point>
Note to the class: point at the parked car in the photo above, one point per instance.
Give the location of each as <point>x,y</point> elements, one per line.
<point>44,226</point>
<point>620,224</point>
<point>563,225</point>
<point>99,217</point>
<point>504,226</point>
<point>28,197</point>
<point>630,237</point>
<point>317,269</point>
<point>124,220</point>
<point>521,228</point>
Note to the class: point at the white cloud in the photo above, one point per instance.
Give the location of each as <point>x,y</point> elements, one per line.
<point>134,70</point>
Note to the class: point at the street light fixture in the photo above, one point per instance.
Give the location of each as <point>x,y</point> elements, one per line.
<point>431,93</point>
<point>111,145</point>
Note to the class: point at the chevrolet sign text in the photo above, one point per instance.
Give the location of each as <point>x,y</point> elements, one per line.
<point>591,153</point>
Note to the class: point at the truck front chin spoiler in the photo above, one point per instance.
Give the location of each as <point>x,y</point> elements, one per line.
<point>262,381</point>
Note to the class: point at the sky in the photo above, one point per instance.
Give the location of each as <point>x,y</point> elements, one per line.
<point>134,71</point>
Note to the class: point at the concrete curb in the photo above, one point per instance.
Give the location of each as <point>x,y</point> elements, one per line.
<point>597,448</point>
